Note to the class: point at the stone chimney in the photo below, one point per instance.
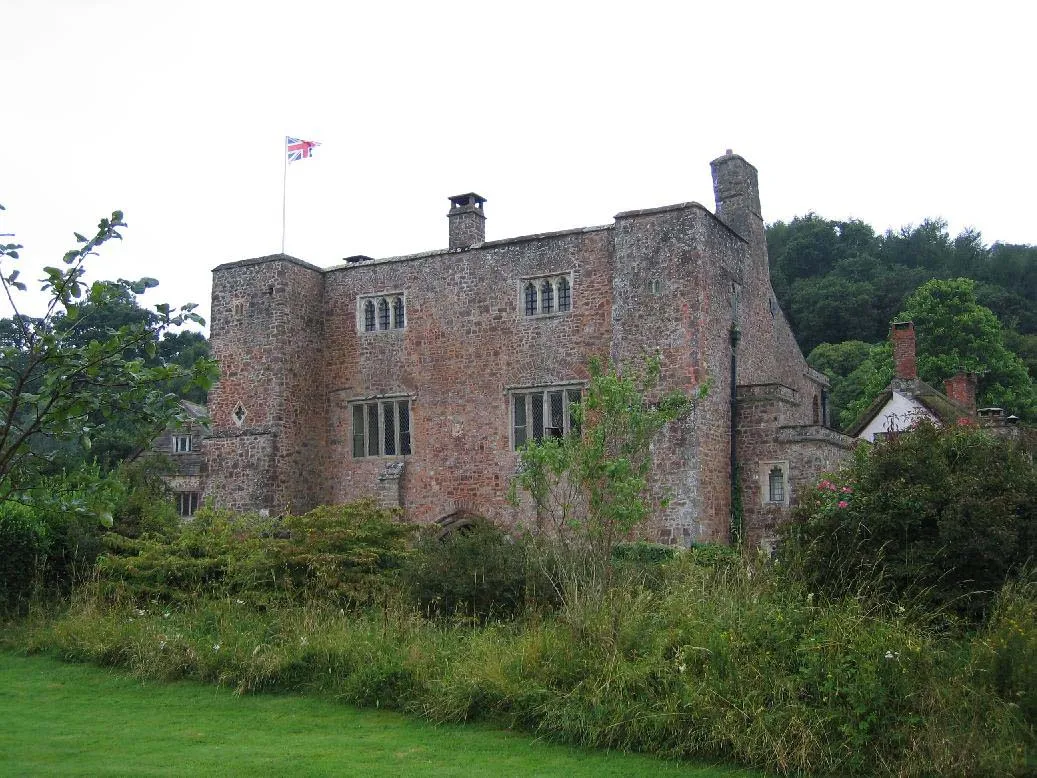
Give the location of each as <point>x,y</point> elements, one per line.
<point>467,220</point>
<point>736,188</point>
<point>961,388</point>
<point>903,336</point>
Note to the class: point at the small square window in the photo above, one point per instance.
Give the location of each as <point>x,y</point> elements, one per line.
<point>181,444</point>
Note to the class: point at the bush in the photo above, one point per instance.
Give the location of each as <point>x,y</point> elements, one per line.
<point>144,504</point>
<point>26,547</point>
<point>941,517</point>
<point>340,554</point>
<point>478,571</point>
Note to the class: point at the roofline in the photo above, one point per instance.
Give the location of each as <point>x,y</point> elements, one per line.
<point>690,205</point>
<point>269,258</point>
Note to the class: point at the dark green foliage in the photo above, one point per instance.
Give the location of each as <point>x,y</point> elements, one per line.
<point>838,281</point>
<point>953,332</point>
<point>478,571</point>
<point>185,348</point>
<point>940,518</point>
<point>144,502</point>
<point>84,371</point>
<point>24,549</point>
<point>341,554</point>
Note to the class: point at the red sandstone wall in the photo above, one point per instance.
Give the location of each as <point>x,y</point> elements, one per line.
<point>466,342</point>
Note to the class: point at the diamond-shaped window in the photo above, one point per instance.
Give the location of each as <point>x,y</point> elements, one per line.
<point>239,414</point>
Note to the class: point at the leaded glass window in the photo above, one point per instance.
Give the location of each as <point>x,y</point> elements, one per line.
<point>381,428</point>
<point>543,413</point>
<point>564,295</point>
<point>397,313</point>
<point>546,295</point>
<point>776,485</point>
<point>383,314</point>
<point>531,299</point>
<point>369,316</point>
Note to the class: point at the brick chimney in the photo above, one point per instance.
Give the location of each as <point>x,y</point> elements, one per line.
<point>903,336</point>
<point>467,220</point>
<point>961,387</point>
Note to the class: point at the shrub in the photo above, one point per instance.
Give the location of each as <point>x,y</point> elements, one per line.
<point>340,554</point>
<point>25,545</point>
<point>144,504</point>
<point>478,571</point>
<point>942,517</point>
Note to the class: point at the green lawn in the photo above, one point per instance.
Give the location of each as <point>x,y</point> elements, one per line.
<point>62,719</point>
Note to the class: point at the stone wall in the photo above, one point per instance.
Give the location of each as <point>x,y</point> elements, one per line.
<point>673,282</point>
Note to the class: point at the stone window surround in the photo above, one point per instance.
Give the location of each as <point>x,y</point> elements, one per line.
<point>394,312</point>
<point>512,392</point>
<point>182,443</point>
<point>538,280</point>
<point>401,438</point>
<point>765,482</point>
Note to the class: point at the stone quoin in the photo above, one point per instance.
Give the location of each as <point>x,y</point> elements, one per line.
<point>413,379</point>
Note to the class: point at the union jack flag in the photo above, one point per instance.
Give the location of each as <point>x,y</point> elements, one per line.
<point>299,149</point>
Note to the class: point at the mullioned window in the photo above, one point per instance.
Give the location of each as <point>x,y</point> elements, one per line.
<point>381,313</point>
<point>546,295</point>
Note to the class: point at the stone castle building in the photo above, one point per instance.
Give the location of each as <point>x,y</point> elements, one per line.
<point>415,378</point>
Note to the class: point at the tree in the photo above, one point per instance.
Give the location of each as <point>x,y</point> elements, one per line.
<point>840,362</point>
<point>83,366</point>
<point>591,488</point>
<point>955,332</point>
<point>939,516</point>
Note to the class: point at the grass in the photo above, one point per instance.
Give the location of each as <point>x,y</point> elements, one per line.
<point>68,719</point>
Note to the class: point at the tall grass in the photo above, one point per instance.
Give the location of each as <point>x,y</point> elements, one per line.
<point>725,661</point>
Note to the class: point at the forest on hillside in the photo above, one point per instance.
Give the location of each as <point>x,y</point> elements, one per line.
<point>974,307</point>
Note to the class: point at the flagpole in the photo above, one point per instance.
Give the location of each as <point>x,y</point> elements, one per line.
<point>284,190</point>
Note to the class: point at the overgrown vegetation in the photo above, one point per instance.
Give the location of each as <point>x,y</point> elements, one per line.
<point>938,518</point>
<point>723,660</point>
<point>591,490</point>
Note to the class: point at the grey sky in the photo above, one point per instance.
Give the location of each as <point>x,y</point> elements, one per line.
<point>560,113</point>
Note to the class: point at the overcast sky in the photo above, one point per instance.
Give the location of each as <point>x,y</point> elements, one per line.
<point>560,113</point>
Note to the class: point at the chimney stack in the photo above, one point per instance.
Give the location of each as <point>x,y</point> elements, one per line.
<point>467,220</point>
<point>903,336</point>
<point>736,188</point>
<point>961,388</point>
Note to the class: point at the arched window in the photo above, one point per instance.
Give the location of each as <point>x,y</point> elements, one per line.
<point>564,295</point>
<point>776,485</point>
<point>531,299</point>
<point>397,313</point>
<point>547,297</point>
<point>383,314</point>
<point>368,316</point>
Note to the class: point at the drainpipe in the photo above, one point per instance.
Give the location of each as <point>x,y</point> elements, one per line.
<point>736,508</point>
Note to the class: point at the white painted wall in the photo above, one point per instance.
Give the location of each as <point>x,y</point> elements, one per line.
<point>899,413</point>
